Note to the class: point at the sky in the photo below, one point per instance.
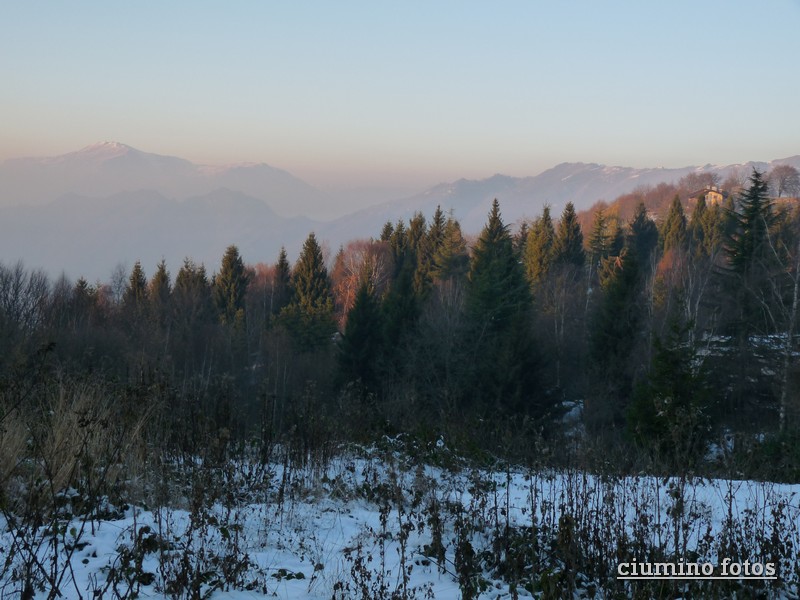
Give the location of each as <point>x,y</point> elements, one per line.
<point>405,94</point>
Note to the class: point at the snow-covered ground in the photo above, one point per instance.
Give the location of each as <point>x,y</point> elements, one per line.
<point>381,524</point>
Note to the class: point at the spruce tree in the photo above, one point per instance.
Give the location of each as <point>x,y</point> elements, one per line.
<point>309,316</point>
<point>160,293</point>
<point>230,288</point>
<point>361,344</point>
<point>643,235</point>
<point>451,260</point>
<point>282,284</point>
<point>539,248</point>
<point>428,247</point>
<point>498,305</point>
<point>749,246</point>
<point>568,248</point>
<point>612,339</point>
<point>134,299</point>
<point>673,232</point>
<point>669,412</point>
<point>600,239</point>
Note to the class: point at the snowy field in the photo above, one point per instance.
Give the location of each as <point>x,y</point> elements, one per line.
<point>381,524</point>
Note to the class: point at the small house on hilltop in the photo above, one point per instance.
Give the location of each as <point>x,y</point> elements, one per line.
<point>712,194</point>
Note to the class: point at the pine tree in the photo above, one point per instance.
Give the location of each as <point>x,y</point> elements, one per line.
<point>361,344</point>
<point>539,248</point>
<point>192,295</point>
<point>673,232</point>
<point>282,284</point>
<point>429,246</point>
<point>695,231</point>
<point>387,231</point>
<point>451,260</point>
<point>229,288</point>
<point>669,413</point>
<point>600,240</point>
<point>498,305</point>
<point>309,316</point>
<point>612,339</point>
<point>749,246</point>
<point>134,299</point>
<point>568,248</point>
<point>643,236</point>
<point>160,294</point>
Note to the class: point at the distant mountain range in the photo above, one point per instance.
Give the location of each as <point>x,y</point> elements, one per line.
<point>86,211</point>
<point>110,167</point>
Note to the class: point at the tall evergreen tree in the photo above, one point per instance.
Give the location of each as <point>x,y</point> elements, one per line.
<point>361,344</point>
<point>498,305</point>
<point>160,292</point>
<point>428,248</point>
<point>600,240</point>
<point>643,236</point>
<point>309,316</point>
<point>568,248</point>
<point>749,246</point>
<point>612,339</point>
<point>539,248</point>
<point>673,232</point>
<point>451,259</point>
<point>135,297</point>
<point>282,284</point>
<point>229,288</point>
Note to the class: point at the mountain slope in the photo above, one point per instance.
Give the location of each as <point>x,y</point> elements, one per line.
<point>89,236</point>
<point>110,167</point>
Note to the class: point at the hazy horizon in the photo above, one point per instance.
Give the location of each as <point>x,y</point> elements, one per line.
<point>405,96</point>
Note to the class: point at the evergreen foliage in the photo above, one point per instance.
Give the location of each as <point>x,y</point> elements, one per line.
<point>539,248</point>
<point>160,295</point>
<point>309,315</point>
<point>568,249</point>
<point>361,344</point>
<point>643,236</point>
<point>136,293</point>
<point>282,284</point>
<point>229,288</point>
<point>674,229</point>
<point>498,305</point>
<point>669,413</point>
<point>451,259</point>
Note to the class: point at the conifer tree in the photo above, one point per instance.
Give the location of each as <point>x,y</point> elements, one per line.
<point>135,297</point>
<point>428,247</point>
<point>521,238</point>
<point>230,287</point>
<point>361,344</point>
<point>387,231</point>
<point>192,294</point>
<point>451,260</point>
<point>673,232</point>
<point>498,305</point>
<point>309,316</point>
<point>695,231</point>
<point>539,248</point>
<point>613,335</point>
<point>748,247</point>
<point>160,291</point>
<point>669,412</point>
<point>643,236</point>
<point>568,248</point>
<point>282,285</point>
<point>600,240</point>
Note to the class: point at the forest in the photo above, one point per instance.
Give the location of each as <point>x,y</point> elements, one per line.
<point>661,324</point>
<point>655,334</point>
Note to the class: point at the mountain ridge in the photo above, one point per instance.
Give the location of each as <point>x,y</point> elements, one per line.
<point>88,234</point>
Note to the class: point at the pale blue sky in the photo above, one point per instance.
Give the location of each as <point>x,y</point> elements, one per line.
<point>411,93</point>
